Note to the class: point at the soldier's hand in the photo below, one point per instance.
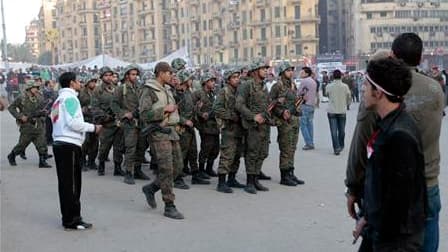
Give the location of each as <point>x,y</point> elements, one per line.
<point>286,115</point>
<point>281,100</point>
<point>170,108</point>
<point>351,201</point>
<point>128,115</point>
<point>24,119</point>
<point>98,128</point>
<point>189,123</point>
<point>259,119</point>
<point>205,116</point>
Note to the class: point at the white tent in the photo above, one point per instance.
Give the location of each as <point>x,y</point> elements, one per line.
<point>99,61</point>
<point>181,53</point>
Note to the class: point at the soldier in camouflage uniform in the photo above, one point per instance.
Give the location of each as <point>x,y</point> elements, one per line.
<point>287,118</point>
<point>252,103</point>
<point>206,123</point>
<point>112,134</point>
<point>29,109</point>
<point>229,122</point>
<point>158,109</point>
<point>186,130</point>
<point>178,64</point>
<point>125,107</point>
<point>90,145</point>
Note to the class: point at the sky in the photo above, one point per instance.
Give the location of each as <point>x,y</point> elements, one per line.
<point>18,14</point>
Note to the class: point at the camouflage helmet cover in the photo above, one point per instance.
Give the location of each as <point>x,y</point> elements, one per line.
<point>228,73</point>
<point>178,63</point>
<point>207,76</point>
<point>105,69</point>
<point>184,75</point>
<point>257,64</point>
<point>283,66</point>
<point>129,68</point>
<point>30,84</point>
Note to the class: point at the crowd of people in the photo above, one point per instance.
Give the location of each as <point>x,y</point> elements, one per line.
<point>132,112</point>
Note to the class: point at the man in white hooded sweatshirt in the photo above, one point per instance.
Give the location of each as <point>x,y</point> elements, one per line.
<point>69,131</point>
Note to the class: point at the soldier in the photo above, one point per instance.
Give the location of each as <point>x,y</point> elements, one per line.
<point>252,103</point>
<point>287,114</point>
<point>178,64</point>
<point>112,134</point>
<point>29,109</point>
<point>90,146</point>
<point>158,111</point>
<point>229,122</point>
<point>206,124</point>
<point>125,107</point>
<point>186,131</point>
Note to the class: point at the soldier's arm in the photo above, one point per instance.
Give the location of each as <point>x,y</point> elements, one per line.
<point>84,98</point>
<point>219,106</point>
<point>117,104</point>
<point>276,95</point>
<point>147,113</point>
<point>15,108</point>
<point>241,102</point>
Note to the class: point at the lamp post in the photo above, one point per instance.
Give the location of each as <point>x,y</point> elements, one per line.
<point>5,41</point>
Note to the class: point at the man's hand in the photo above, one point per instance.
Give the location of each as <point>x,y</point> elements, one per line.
<point>351,201</point>
<point>98,129</point>
<point>286,115</point>
<point>259,119</point>
<point>24,119</point>
<point>170,108</point>
<point>358,229</point>
<point>205,116</point>
<point>189,123</point>
<point>128,115</point>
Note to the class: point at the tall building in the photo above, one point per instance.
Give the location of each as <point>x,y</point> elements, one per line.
<point>48,34</point>
<point>375,24</point>
<point>212,31</point>
<point>332,28</point>
<point>32,38</point>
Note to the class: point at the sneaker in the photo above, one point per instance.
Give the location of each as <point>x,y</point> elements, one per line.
<point>308,147</point>
<point>78,226</point>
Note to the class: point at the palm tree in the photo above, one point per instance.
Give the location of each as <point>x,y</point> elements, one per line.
<point>52,36</point>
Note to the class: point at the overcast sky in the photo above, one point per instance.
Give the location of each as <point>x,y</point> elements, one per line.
<point>18,14</point>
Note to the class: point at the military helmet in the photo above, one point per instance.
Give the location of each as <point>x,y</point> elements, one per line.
<point>129,68</point>
<point>184,75</point>
<point>207,76</point>
<point>257,64</point>
<point>93,77</point>
<point>105,69</point>
<point>30,84</point>
<point>178,63</point>
<point>228,73</point>
<point>283,66</point>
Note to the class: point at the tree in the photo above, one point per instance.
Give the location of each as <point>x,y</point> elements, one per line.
<point>19,52</point>
<point>45,58</point>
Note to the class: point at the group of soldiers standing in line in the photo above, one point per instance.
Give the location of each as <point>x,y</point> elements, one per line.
<point>161,115</point>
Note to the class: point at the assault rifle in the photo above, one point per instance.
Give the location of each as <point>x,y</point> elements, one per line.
<point>154,127</point>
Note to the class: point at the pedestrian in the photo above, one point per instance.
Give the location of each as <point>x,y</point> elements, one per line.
<point>50,96</point>
<point>338,94</point>
<point>308,89</point>
<point>69,131</point>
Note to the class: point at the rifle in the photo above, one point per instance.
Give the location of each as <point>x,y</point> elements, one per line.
<point>154,127</point>
<point>99,116</point>
<point>41,112</point>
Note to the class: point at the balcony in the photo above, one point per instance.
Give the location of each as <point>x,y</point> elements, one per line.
<point>261,41</point>
<point>234,44</point>
<point>264,22</point>
<point>260,3</point>
<point>216,15</point>
<point>147,40</point>
<point>145,11</point>
<point>295,2</point>
<point>194,2</point>
<point>195,35</point>
<point>233,25</point>
<point>194,19</point>
<point>310,39</point>
<point>309,19</point>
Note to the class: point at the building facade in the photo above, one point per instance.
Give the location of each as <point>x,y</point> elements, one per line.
<point>333,26</point>
<point>48,34</point>
<point>32,38</point>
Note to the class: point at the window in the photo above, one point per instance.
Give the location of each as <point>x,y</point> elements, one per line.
<point>298,49</point>
<point>297,31</point>
<point>262,14</point>
<point>277,12</point>
<point>263,51</point>
<point>369,15</point>
<point>278,51</point>
<point>235,36</point>
<point>383,14</point>
<point>297,12</point>
<point>263,33</point>
<point>244,34</point>
<point>277,31</point>
<point>235,53</point>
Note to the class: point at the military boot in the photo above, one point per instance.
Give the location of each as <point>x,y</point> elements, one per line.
<point>85,166</point>
<point>23,155</point>
<point>117,169</point>
<point>129,178</point>
<point>138,173</point>
<point>209,170</point>
<point>222,186</point>
<point>101,168</point>
<point>179,183</point>
<point>286,179</point>
<point>294,178</point>
<point>48,156</point>
<point>202,173</point>
<point>154,167</point>
<point>43,162</point>
<point>92,165</point>
<point>263,176</point>
<point>171,212</point>
<point>259,186</point>
<point>186,170</point>
<point>197,180</point>
<point>149,190</point>
<point>12,158</point>
<point>232,182</point>
<point>250,186</point>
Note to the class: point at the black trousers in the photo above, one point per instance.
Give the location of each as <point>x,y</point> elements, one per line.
<point>48,130</point>
<point>68,166</point>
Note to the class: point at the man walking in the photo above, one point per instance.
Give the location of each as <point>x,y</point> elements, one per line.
<point>308,90</point>
<point>68,133</point>
<point>338,94</point>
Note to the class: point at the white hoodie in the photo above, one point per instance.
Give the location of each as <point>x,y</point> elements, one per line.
<point>67,118</point>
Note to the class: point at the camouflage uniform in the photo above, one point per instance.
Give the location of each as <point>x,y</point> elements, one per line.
<point>90,145</point>
<point>33,130</point>
<point>153,99</point>
<point>208,129</point>
<point>178,64</point>
<point>284,92</point>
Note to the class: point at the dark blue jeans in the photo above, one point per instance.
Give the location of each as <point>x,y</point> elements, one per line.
<point>431,242</point>
<point>337,129</point>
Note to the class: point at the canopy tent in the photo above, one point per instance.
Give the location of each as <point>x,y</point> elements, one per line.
<point>99,61</point>
<point>181,53</point>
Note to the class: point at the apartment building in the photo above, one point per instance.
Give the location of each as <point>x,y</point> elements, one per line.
<point>47,26</point>
<point>32,38</point>
<point>333,26</point>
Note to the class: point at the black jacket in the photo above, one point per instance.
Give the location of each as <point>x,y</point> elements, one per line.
<point>395,187</point>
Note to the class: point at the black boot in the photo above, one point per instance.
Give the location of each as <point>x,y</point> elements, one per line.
<point>12,158</point>
<point>92,165</point>
<point>43,162</point>
<point>180,184</point>
<point>138,174</point>
<point>259,186</point>
<point>232,182</point>
<point>250,186</point>
<point>101,168</point>
<point>202,173</point>
<point>209,170</point>
<point>154,168</point>
<point>294,178</point>
<point>222,186</point>
<point>186,170</point>
<point>171,212</point>
<point>149,190</point>
<point>48,156</point>
<point>286,179</point>
<point>117,169</point>
<point>262,176</point>
<point>129,178</point>
<point>22,155</point>
<point>196,180</point>
<point>85,166</point>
